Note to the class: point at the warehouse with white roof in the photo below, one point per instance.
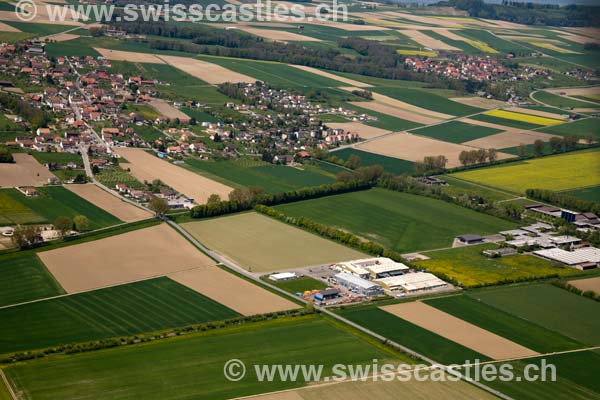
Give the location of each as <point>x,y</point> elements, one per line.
<point>359,285</point>
<point>582,258</point>
<point>411,282</point>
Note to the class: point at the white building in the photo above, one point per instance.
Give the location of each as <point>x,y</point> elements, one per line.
<point>411,282</point>
<point>359,285</point>
<point>372,268</point>
<point>583,258</point>
<point>283,276</point>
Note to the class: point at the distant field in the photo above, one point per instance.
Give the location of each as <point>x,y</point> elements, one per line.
<point>527,118</point>
<point>561,172</point>
<point>274,73</point>
<point>560,101</point>
<point>260,243</point>
<point>23,277</point>
<point>396,220</point>
<point>574,318</point>
<point>590,193</point>
<point>117,311</point>
<point>584,128</point>
<point>504,324</point>
<point>456,132</point>
<point>412,336</point>
<point>457,186</point>
<point>390,164</point>
<point>471,268</point>
<point>384,121</point>
<point>191,366</point>
<point>429,100</point>
<point>504,121</point>
<point>573,379</point>
<point>56,201</point>
<point>272,178</point>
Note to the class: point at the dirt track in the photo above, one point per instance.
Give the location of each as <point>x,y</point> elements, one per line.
<point>141,254</point>
<point>232,291</point>
<point>459,331</point>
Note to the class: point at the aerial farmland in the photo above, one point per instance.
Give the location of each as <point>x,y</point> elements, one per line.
<point>298,200</point>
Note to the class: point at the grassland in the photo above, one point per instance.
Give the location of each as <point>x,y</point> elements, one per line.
<point>456,132</point>
<point>390,164</point>
<point>457,187</point>
<point>384,121</point>
<point>113,176</point>
<point>298,285</point>
<point>191,366</point>
<point>428,100</point>
<point>23,277</point>
<point>527,118</point>
<point>561,172</point>
<point>469,267</point>
<point>57,158</point>
<point>272,178</point>
<point>590,193</point>
<point>504,324</point>
<point>55,201</point>
<point>396,220</point>
<point>275,73</point>
<point>13,212</point>
<point>117,311</point>
<point>550,307</point>
<point>559,101</point>
<point>583,127</point>
<point>262,244</point>
<point>412,336</point>
<point>573,380</point>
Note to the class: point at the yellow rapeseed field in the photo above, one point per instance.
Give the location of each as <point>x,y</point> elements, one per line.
<point>481,46</point>
<point>562,172</point>
<point>532,119</point>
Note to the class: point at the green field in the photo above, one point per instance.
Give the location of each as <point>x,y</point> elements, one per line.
<point>560,101</point>
<point>57,158</point>
<point>113,176</point>
<point>456,132</point>
<point>550,307</point>
<point>390,164</point>
<point>495,42</point>
<point>504,121</point>
<point>396,220</point>
<point>23,277</point>
<point>384,121</point>
<point>272,178</point>
<point>471,268</point>
<point>276,74</point>
<point>55,201</point>
<point>590,193</point>
<point>429,100</point>
<point>562,172</point>
<point>573,380</point>
<point>298,285</point>
<point>457,187</point>
<point>583,127</point>
<point>117,311</point>
<point>504,324</point>
<point>14,212</point>
<point>412,336</point>
<point>263,244</point>
<point>191,366</point>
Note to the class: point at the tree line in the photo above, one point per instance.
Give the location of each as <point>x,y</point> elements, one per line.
<point>563,200</point>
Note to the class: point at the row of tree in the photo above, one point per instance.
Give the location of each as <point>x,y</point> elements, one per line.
<point>28,236</point>
<point>246,198</point>
<point>563,200</point>
<point>470,157</point>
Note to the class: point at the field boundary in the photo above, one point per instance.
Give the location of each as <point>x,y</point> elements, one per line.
<point>8,385</point>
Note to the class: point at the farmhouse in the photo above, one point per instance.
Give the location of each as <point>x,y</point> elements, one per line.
<point>359,285</point>
<point>411,282</point>
<point>583,258</point>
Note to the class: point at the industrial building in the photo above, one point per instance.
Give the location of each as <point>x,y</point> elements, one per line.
<point>283,276</point>
<point>326,294</point>
<point>583,258</point>
<point>373,268</point>
<point>358,285</point>
<point>411,282</point>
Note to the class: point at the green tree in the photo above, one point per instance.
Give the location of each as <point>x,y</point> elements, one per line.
<point>522,150</point>
<point>538,148</point>
<point>81,222</point>
<point>26,236</point>
<point>63,225</point>
<point>159,206</point>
